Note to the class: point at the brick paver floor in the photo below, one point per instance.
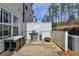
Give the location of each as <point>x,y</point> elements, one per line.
<point>38,49</point>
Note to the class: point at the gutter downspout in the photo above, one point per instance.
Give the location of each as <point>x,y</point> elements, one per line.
<point>24,22</point>
<point>23,13</point>
<point>23,19</point>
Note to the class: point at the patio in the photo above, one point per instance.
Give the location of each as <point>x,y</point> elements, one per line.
<point>38,49</point>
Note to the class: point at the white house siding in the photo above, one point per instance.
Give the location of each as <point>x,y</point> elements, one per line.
<point>17,10</point>
<point>1,45</point>
<point>13,8</point>
<point>44,27</point>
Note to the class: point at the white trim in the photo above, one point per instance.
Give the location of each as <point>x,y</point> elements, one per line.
<point>11,26</point>
<point>40,22</point>
<point>4,7</point>
<point>66,41</point>
<point>5,23</point>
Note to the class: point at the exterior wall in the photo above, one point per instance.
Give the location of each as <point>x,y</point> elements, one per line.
<point>28,12</point>
<point>24,29</point>
<point>1,45</point>
<point>28,16</point>
<point>16,9</point>
<point>44,27</point>
<point>60,38</point>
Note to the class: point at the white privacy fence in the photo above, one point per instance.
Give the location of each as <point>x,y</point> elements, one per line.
<point>43,33</point>
<point>65,40</point>
<point>60,38</point>
<point>43,28</point>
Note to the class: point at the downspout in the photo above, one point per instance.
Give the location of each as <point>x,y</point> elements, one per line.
<point>25,23</point>
<point>23,19</point>
<point>23,13</point>
<point>11,26</point>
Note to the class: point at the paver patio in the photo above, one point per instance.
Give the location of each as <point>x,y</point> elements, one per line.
<point>38,49</point>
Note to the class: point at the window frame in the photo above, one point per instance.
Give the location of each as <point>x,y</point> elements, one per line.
<point>6,27</point>
<point>15,19</point>
<point>15,30</point>
<point>8,31</point>
<point>6,16</point>
<point>26,7</point>
<point>0,15</point>
<point>0,30</point>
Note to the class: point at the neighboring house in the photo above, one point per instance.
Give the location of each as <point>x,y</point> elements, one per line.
<point>12,19</point>
<point>34,19</point>
<point>28,11</point>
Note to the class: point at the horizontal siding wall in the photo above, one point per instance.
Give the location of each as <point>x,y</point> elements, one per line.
<point>60,38</point>
<point>1,46</point>
<point>77,43</point>
<point>74,42</point>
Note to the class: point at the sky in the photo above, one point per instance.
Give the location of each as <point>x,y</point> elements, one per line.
<point>40,9</point>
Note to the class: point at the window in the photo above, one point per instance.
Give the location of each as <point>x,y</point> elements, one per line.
<point>6,30</point>
<point>9,30</point>
<point>9,17</point>
<point>15,19</point>
<point>6,16</point>
<point>0,16</point>
<point>0,30</point>
<point>26,7</point>
<point>15,30</point>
